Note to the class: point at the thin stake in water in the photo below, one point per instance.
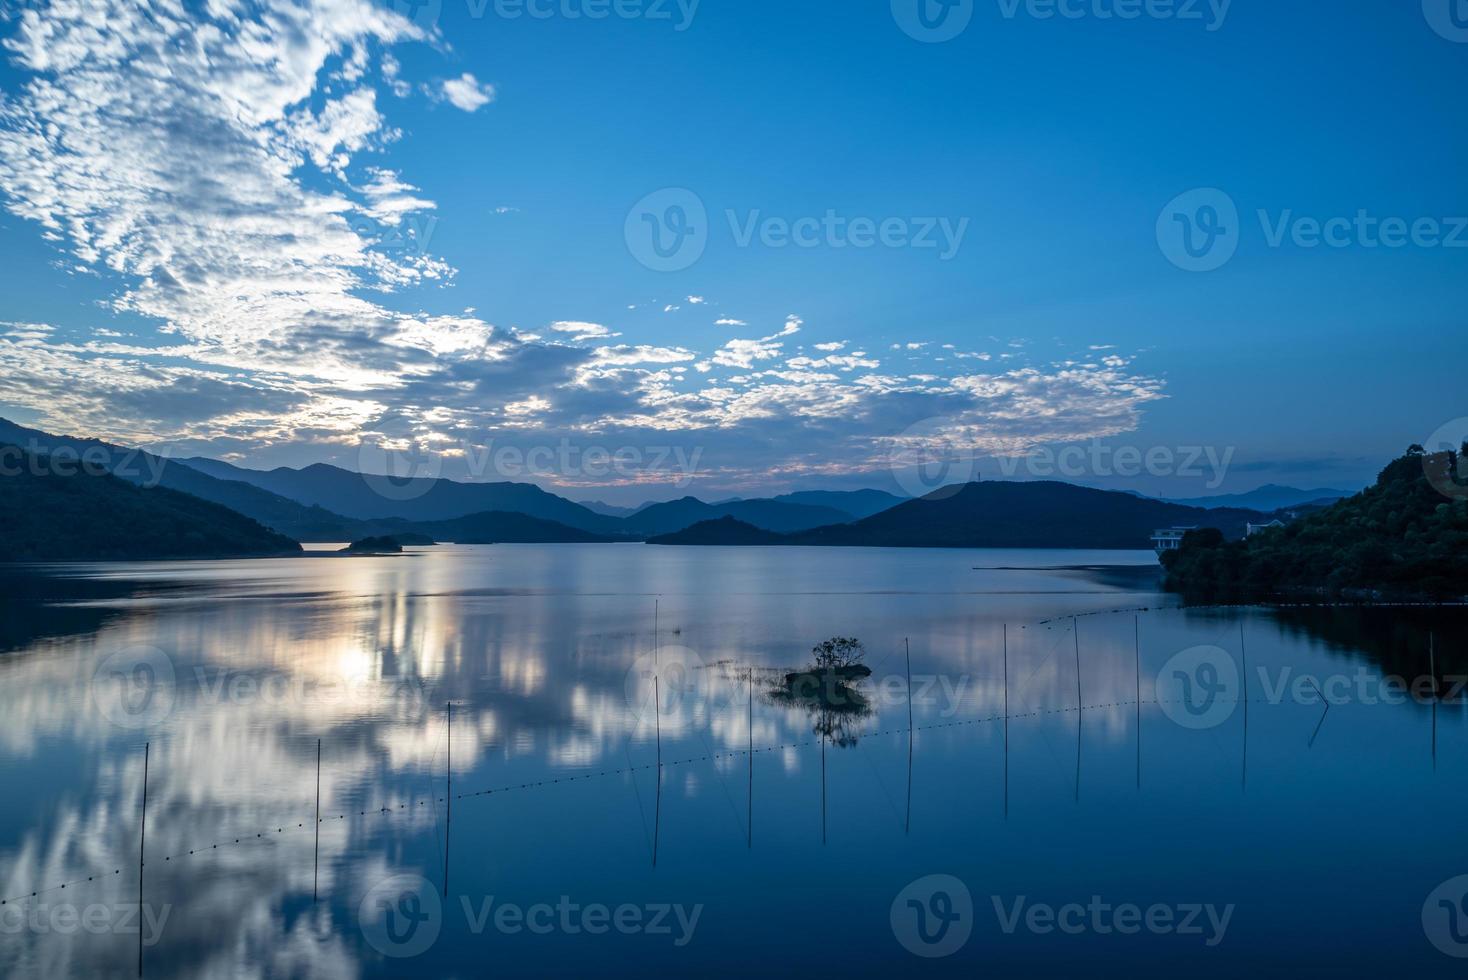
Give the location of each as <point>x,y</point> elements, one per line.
<point>823,784</point>
<point>449,794</point>
<point>142,846</point>
<point>1432,669</point>
<point>1006,721</point>
<point>1137,654</point>
<point>1075,628</point>
<point>316,859</point>
<point>907,825</point>
<point>1244,659</point>
<point>749,818</point>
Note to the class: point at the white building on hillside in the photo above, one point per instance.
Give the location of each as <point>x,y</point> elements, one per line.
<point>1169,538</point>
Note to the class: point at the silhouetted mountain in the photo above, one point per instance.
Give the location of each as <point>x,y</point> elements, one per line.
<point>55,510</point>
<point>1269,497</point>
<point>857,503</point>
<point>609,510</point>
<point>770,515</point>
<point>368,497</point>
<point>1040,514</point>
<point>135,466</point>
<point>1404,537</point>
<point>721,531</point>
<point>502,527</point>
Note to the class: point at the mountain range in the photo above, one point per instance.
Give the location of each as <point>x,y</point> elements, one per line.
<point>1269,497</point>
<point>322,502</point>
<point>1041,514</point>
<point>67,512</point>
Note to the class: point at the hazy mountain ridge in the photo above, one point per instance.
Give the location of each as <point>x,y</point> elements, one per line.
<point>769,515</point>
<point>996,515</point>
<point>64,512</point>
<point>1269,497</point>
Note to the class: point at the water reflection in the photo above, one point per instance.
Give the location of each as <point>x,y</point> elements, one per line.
<point>557,761</point>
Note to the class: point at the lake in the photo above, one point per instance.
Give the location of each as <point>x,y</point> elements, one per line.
<point>569,759</point>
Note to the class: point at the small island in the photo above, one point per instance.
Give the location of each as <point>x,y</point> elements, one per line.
<point>379,545</point>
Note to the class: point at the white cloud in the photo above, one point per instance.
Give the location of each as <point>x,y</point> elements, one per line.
<point>583,331</point>
<point>467,92</point>
<point>220,182</point>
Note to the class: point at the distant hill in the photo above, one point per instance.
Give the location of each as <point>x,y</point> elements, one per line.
<point>856,503</point>
<point>303,523</point>
<point>609,510</point>
<point>770,515</point>
<point>55,512</point>
<point>501,527</point>
<point>992,515</point>
<point>1040,514</point>
<point>417,499</point>
<point>1400,538</point>
<point>1269,497</point>
<point>721,531</point>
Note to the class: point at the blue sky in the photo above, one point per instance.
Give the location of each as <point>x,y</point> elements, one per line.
<point>1053,143</point>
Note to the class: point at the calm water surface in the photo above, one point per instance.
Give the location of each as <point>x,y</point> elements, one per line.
<point>504,788</point>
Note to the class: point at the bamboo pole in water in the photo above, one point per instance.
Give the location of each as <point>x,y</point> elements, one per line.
<point>1137,655</point>
<point>1006,721</point>
<point>448,793</point>
<point>316,849</point>
<point>907,823</point>
<point>142,846</point>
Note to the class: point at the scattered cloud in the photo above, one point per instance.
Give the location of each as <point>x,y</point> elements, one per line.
<point>467,93</point>
<point>221,187</point>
